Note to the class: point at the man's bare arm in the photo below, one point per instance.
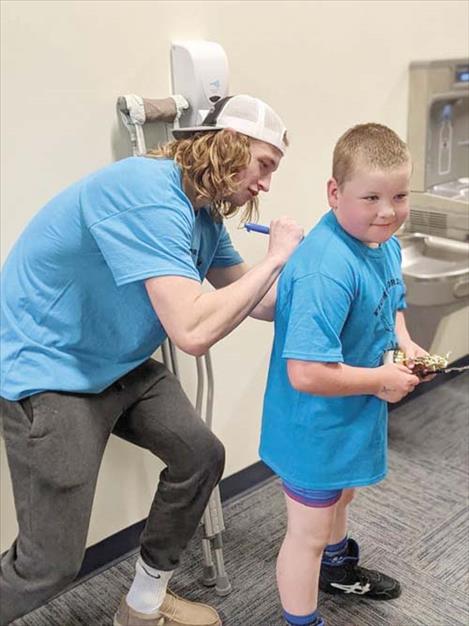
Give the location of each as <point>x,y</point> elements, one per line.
<point>220,277</point>
<point>195,320</point>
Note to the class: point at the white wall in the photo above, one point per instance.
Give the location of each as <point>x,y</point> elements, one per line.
<point>323,65</point>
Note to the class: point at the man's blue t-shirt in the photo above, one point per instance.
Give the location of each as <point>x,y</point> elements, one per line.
<point>337,301</point>
<point>75,314</point>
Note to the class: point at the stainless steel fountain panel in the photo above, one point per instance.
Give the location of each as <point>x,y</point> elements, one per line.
<point>436,270</point>
<point>438,138</point>
<point>435,238</point>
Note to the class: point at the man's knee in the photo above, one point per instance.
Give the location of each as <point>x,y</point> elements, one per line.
<point>206,458</point>
<point>217,456</point>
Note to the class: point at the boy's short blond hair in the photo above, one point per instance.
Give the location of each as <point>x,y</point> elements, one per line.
<point>373,146</point>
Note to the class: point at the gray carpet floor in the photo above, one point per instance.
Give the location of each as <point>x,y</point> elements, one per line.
<point>414,525</point>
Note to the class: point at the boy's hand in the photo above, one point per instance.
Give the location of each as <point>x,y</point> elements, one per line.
<point>395,382</point>
<point>413,350</point>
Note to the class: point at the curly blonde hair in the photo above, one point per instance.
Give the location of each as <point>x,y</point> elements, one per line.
<point>370,145</point>
<point>211,161</point>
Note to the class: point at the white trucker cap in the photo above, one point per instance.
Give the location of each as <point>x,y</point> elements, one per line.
<point>244,114</point>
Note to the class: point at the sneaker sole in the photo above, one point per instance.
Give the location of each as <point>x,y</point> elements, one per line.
<point>359,596</point>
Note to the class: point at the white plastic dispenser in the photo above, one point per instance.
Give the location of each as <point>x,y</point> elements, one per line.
<point>199,71</point>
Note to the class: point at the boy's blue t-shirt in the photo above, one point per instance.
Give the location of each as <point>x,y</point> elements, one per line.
<point>337,301</point>
<point>75,314</point>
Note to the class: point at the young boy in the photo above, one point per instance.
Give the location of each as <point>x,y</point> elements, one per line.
<point>339,309</point>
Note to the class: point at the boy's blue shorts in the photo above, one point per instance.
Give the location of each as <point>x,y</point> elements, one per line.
<point>316,498</point>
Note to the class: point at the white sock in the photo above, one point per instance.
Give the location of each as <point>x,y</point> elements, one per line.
<point>148,589</point>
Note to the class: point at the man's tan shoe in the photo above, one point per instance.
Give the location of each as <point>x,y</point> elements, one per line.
<point>174,611</point>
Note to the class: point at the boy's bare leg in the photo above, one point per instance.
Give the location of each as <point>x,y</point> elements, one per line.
<point>340,526</point>
<point>299,559</point>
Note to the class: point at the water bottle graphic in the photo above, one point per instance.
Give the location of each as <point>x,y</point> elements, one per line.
<point>445,140</point>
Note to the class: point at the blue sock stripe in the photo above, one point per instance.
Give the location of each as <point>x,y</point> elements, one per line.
<point>335,549</point>
<point>301,620</point>
<point>351,554</point>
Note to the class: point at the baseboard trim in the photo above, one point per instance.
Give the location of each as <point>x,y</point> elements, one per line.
<point>126,541</point>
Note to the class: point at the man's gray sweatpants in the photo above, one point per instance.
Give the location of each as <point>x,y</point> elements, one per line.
<point>55,443</point>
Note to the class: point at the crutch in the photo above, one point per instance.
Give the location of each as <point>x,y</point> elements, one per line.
<point>135,111</point>
<point>214,573</point>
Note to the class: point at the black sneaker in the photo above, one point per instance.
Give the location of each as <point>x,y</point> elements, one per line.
<point>342,575</point>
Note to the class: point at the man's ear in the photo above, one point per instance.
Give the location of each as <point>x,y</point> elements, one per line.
<point>332,192</point>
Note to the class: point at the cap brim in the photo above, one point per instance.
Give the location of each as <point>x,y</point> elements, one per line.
<point>181,133</point>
